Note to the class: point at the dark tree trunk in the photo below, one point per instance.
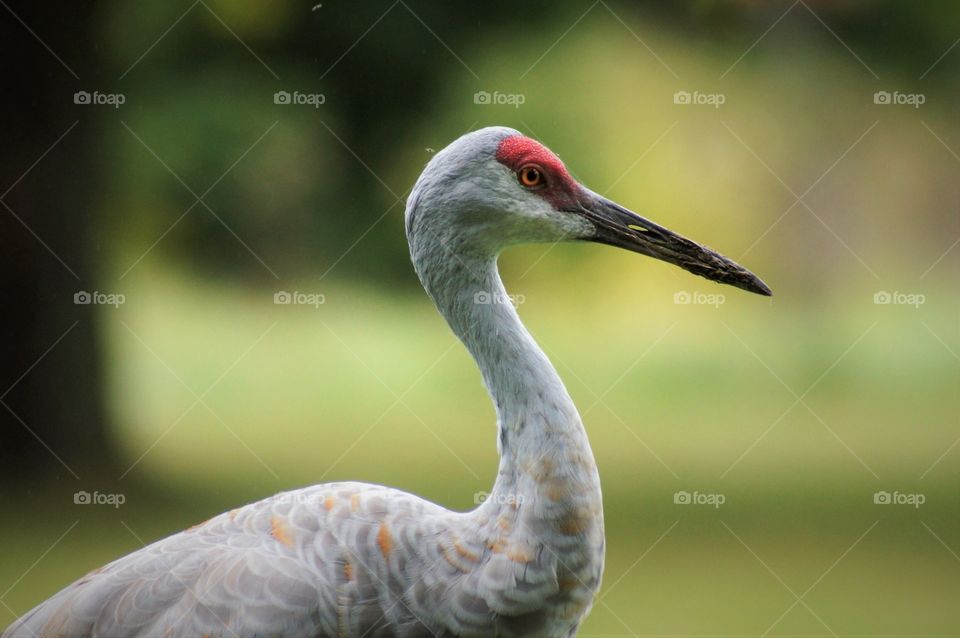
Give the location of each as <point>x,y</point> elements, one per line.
<point>52,419</point>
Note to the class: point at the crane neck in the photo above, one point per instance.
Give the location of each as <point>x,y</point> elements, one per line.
<point>539,428</point>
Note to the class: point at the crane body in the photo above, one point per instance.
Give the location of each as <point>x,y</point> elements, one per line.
<point>355,559</point>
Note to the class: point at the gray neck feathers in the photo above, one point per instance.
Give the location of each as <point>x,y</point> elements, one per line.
<point>538,424</point>
<point>525,388</point>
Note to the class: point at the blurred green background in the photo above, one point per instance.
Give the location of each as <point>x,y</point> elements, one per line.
<point>200,197</point>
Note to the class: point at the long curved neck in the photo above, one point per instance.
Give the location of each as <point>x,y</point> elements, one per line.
<point>541,436</point>
<point>521,380</point>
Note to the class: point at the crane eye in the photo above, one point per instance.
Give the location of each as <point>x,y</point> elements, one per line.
<point>531,176</point>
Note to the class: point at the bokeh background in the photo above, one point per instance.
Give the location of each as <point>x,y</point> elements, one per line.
<point>819,146</point>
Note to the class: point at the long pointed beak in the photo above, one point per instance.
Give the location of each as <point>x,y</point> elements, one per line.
<point>617,226</point>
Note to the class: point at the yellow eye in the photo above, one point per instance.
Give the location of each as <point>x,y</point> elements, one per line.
<point>530,176</point>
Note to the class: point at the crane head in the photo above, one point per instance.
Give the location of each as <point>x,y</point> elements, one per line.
<point>495,187</point>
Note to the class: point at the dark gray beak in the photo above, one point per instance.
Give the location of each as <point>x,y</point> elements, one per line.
<point>617,226</point>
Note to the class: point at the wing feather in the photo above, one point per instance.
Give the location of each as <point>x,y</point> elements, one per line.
<point>345,559</point>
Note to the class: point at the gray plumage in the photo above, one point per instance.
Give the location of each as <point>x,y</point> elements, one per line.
<point>353,559</point>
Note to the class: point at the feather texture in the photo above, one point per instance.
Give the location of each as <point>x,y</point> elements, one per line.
<point>360,560</point>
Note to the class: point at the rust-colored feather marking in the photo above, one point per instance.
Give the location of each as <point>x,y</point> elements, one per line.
<point>544,470</point>
<point>354,502</point>
<point>384,540</point>
<point>519,556</point>
<point>575,523</point>
<point>280,531</point>
<point>567,583</point>
<point>465,553</point>
<point>555,490</point>
<point>347,569</point>
<point>448,556</point>
<point>328,503</point>
<point>498,546</point>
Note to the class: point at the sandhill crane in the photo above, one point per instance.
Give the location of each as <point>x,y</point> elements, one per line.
<point>354,559</point>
